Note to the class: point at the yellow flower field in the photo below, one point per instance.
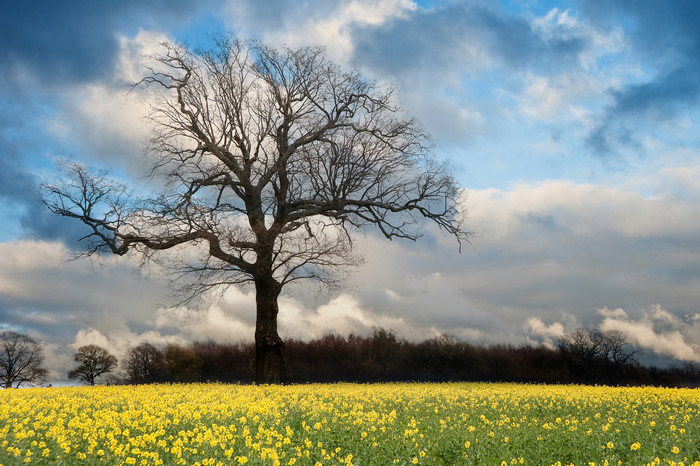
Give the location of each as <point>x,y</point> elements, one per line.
<point>455,423</point>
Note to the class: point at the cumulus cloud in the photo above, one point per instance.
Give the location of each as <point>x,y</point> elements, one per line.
<point>658,330</point>
<point>342,315</point>
<point>120,342</point>
<point>74,42</point>
<point>558,98</point>
<point>68,304</point>
<point>536,327</point>
<point>43,293</point>
<point>105,121</point>
<point>227,316</point>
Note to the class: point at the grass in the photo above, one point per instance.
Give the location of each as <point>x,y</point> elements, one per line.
<point>454,423</point>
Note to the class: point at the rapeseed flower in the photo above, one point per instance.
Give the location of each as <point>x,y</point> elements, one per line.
<point>349,424</point>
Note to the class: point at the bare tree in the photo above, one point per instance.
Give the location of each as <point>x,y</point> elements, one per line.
<point>616,349</point>
<point>93,362</point>
<point>273,157</point>
<point>144,364</point>
<point>589,351</point>
<point>581,347</point>
<point>21,359</point>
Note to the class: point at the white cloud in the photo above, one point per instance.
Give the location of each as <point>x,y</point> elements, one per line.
<point>547,334</point>
<point>535,326</point>
<point>558,98</point>
<point>678,339</point>
<point>20,259</point>
<point>613,314</point>
<point>582,208</point>
<point>104,124</point>
<point>22,256</point>
<point>342,315</point>
<point>227,317</point>
<point>559,25</point>
<point>327,24</point>
<point>556,23</point>
<point>547,100</point>
<point>132,53</point>
<point>104,121</point>
<point>58,358</point>
<point>57,361</point>
<point>90,336</point>
<point>120,341</point>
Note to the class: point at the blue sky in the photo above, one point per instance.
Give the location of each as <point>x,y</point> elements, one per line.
<point>573,125</point>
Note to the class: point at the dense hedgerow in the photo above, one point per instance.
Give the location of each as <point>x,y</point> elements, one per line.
<point>383,357</point>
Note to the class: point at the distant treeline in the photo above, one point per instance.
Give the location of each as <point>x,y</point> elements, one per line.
<point>581,357</point>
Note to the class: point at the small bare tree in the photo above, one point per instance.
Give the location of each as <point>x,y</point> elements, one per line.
<point>616,349</point>
<point>589,351</point>
<point>144,364</point>
<point>21,359</point>
<point>93,362</point>
<point>273,156</point>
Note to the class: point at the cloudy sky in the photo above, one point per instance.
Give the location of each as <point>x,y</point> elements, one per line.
<point>573,125</point>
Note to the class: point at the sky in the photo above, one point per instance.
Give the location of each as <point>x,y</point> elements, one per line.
<point>573,127</point>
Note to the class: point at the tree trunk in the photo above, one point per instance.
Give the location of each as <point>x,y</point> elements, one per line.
<point>268,344</point>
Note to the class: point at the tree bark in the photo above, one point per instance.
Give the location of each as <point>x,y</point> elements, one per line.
<point>268,344</point>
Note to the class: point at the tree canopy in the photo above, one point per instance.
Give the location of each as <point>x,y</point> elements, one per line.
<point>93,361</point>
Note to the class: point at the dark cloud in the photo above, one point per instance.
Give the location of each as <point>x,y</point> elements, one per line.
<point>16,184</point>
<point>445,39</point>
<point>666,37</point>
<point>20,188</point>
<point>19,185</point>
<point>73,40</point>
<point>38,223</point>
<point>640,107</point>
<point>607,138</point>
<point>58,40</point>
<point>45,47</point>
<point>664,96</point>
<point>261,16</point>
<point>664,32</point>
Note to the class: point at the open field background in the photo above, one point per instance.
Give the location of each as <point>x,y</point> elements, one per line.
<point>454,423</point>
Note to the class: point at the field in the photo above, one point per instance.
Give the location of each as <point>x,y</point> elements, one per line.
<point>460,423</point>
